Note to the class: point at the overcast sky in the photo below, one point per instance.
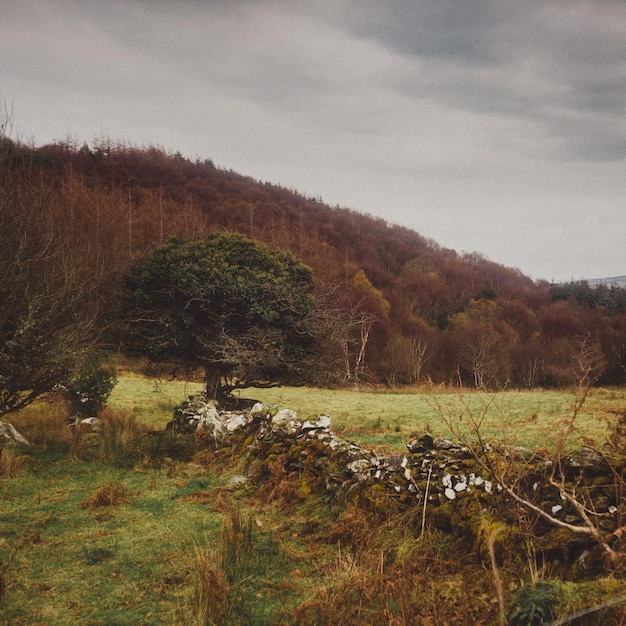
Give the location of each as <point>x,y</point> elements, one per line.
<point>487,125</point>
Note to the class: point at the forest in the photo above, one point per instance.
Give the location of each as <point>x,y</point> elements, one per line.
<point>392,307</point>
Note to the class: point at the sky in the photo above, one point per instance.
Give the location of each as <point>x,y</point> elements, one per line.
<point>488,126</point>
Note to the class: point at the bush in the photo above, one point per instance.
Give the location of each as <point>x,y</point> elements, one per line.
<point>89,391</point>
<point>533,604</point>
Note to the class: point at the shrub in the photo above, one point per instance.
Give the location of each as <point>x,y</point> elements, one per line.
<point>88,392</point>
<point>533,604</point>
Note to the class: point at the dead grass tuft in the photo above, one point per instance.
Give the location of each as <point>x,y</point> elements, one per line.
<point>281,484</point>
<point>210,599</point>
<point>12,463</point>
<point>111,494</point>
<point>120,428</point>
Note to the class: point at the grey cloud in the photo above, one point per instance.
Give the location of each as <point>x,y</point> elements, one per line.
<point>425,112</point>
<point>531,60</point>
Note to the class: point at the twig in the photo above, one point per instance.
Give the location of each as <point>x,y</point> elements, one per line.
<point>430,471</point>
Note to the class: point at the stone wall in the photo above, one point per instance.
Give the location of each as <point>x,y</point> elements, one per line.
<point>443,479</point>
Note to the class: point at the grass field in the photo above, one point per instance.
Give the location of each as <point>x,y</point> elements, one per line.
<point>138,536</point>
<point>386,419</point>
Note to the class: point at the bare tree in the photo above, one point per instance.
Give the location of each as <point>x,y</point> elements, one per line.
<point>44,324</point>
<point>507,469</point>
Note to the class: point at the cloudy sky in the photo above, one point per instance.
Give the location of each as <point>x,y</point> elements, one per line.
<point>487,125</point>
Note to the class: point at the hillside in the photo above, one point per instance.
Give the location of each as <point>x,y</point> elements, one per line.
<point>393,306</point>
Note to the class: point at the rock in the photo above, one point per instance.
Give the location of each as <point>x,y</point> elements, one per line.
<point>284,415</point>
<point>284,429</point>
<point>10,434</point>
<point>586,458</point>
<point>93,424</point>
<point>321,422</point>
<point>235,423</point>
<point>444,444</point>
<point>421,444</point>
<point>89,434</point>
<point>360,466</point>
<point>198,414</point>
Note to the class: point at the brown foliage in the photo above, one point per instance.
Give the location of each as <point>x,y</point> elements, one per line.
<point>111,494</point>
<point>112,203</point>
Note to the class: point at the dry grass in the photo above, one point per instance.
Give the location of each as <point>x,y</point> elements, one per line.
<point>210,600</point>
<point>112,493</point>
<point>222,572</point>
<point>12,463</point>
<point>45,424</point>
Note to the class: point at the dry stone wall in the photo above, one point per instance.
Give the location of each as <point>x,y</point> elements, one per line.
<point>442,478</point>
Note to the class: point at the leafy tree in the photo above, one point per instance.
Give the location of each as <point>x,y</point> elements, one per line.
<point>226,304</point>
<point>485,341</point>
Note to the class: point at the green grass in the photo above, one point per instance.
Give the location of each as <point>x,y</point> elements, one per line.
<point>150,400</point>
<point>389,419</point>
<point>90,543</point>
<point>153,541</point>
<point>121,564</point>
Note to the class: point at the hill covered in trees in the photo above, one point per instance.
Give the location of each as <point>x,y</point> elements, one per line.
<point>392,306</point>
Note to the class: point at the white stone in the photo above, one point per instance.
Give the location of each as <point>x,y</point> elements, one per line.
<point>321,421</point>
<point>93,422</point>
<point>259,407</point>
<point>556,508</point>
<point>8,431</point>
<point>284,415</point>
<point>450,493</point>
<point>359,466</point>
<point>235,423</point>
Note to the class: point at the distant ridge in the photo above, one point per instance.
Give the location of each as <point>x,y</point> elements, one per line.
<point>619,281</point>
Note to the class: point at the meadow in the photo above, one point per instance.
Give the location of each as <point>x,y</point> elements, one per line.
<point>386,419</point>
<point>148,529</point>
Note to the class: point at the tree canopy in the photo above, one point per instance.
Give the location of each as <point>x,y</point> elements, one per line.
<point>388,300</point>
<point>226,304</point>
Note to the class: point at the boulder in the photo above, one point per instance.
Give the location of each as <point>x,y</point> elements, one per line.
<point>10,434</point>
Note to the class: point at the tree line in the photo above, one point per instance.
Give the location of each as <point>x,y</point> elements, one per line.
<point>390,305</point>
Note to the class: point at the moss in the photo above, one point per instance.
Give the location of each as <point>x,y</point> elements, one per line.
<point>277,448</point>
<point>441,516</point>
